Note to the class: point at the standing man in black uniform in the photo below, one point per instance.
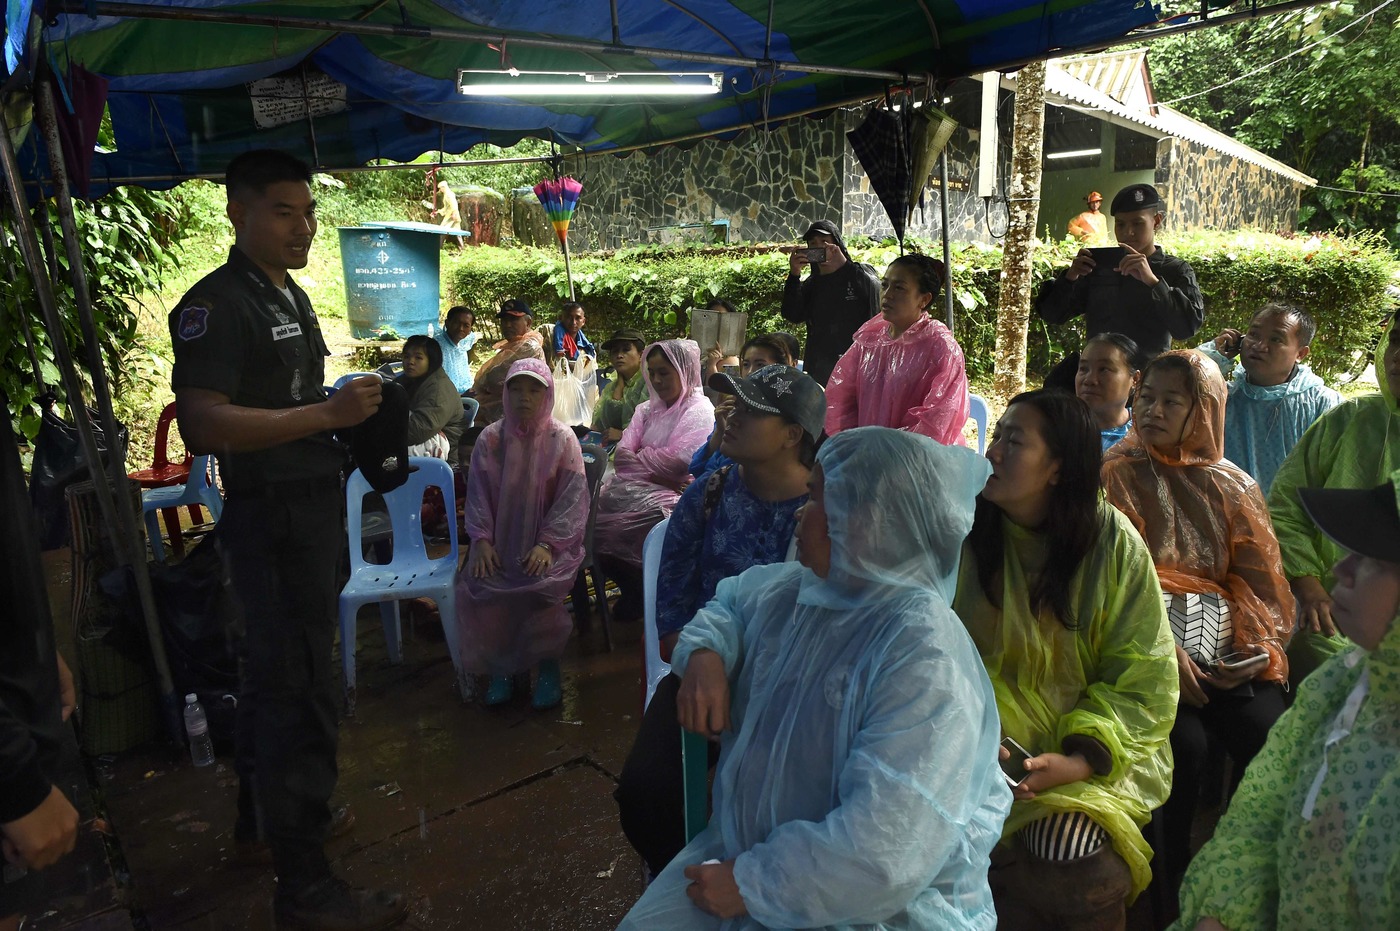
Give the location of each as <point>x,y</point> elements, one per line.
<point>249,365</point>
<point>834,300</point>
<point>1148,296</point>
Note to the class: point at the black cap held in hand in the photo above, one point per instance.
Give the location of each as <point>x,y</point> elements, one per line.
<point>380,444</point>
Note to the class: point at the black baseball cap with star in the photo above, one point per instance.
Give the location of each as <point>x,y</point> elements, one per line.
<point>781,390</point>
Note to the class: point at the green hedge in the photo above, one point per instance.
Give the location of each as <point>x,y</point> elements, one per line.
<point>1341,281</point>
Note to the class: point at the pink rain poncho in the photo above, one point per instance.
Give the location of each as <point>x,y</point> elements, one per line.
<point>527,486</point>
<point>916,381</point>
<point>652,462</point>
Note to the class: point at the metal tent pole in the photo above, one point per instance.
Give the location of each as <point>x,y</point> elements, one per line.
<point>106,500</point>
<point>449,34</point>
<point>947,251</point>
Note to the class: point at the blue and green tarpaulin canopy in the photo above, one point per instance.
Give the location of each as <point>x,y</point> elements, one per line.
<point>193,82</point>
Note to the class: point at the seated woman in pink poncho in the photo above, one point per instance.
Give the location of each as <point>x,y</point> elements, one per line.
<point>904,370</point>
<point>651,464</point>
<point>527,507</point>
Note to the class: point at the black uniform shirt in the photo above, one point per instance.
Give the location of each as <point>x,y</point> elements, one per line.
<point>235,333</point>
<point>833,306</point>
<point>1152,316</point>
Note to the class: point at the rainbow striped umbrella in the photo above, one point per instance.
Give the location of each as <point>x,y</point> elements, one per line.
<point>559,197</point>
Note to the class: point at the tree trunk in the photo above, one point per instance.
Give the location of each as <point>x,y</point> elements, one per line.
<point>1023,196</point>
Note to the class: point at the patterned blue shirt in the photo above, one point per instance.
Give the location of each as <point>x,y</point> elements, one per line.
<point>743,531</point>
<point>455,359</point>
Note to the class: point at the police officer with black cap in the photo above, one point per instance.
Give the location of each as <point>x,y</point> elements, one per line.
<point>833,301</point>
<point>249,367</point>
<point>1146,294</point>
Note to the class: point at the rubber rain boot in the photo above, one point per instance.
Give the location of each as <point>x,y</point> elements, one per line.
<point>547,690</point>
<point>499,691</point>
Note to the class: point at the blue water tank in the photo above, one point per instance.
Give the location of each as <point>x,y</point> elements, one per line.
<point>391,278</point>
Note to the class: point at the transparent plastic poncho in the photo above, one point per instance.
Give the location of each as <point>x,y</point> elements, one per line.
<point>527,486</point>
<point>651,465</point>
<point>858,784</point>
<point>1205,521</point>
<point>916,381</point>
<point>1113,678</point>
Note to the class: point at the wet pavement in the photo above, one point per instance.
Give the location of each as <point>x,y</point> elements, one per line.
<point>484,818</point>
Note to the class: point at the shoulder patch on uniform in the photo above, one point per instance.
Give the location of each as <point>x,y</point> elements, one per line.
<point>194,322</point>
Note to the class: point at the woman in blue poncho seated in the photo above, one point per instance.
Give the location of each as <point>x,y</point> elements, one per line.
<point>858,781</point>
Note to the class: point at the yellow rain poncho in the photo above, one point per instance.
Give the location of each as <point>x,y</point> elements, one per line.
<point>1277,861</point>
<point>1113,679</point>
<point>1354,445</point>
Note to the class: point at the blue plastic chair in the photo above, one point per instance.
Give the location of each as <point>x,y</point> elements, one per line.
<point>695,761</point>
<point>469,407</point>
<point>411,573</point>
<point>199,490</point>
<point>977,410</point>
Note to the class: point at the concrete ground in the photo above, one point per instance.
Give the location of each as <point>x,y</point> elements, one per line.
<point>484,818</point>
<point>499,818</point>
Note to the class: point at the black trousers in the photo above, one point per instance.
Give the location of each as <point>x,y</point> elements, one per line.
<point>1240,726</point>
<point>282,550</point>
<point>650,792</point>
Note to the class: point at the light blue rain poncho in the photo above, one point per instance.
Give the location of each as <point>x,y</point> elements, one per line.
<point>1263,424</point>
<point>858,784</point>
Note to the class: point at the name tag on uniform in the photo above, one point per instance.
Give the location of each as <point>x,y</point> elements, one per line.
<point>286,331</point>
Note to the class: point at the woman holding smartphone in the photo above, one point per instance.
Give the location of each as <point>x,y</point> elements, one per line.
<point>1208,528</point>
<point>1061,599</point>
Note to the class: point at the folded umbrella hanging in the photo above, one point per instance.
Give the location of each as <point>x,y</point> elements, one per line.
<point>882,145</point>
<point>559,197</point>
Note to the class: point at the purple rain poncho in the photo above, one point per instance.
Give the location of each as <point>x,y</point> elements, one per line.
<point>527,486</point>
<point>652,462</point>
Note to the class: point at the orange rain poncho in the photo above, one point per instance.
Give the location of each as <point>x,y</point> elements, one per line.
<point>1205,520</point>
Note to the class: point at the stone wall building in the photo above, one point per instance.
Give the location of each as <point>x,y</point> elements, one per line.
<point>1103,132</point>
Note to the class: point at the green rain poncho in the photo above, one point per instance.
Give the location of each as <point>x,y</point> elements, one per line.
<point>1312,837</point>
<point>1114,679</point>
<point>1354,445</point>
<point>857,786</point>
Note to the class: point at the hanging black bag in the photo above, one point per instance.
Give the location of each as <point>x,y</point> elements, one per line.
<point>59,461</point>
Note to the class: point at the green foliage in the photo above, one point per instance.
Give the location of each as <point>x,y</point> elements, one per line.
<point>125,239</point>
<point>499,178</point>
<point>1341,281</point>
<point>1331,110</point>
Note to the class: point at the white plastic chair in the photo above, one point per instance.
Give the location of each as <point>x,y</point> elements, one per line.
<point>199,490</point>
<point>977,410</point>
<point>411,573</point>
<point>656,668</point>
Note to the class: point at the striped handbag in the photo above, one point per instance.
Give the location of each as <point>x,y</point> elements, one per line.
<point>1200,624</point>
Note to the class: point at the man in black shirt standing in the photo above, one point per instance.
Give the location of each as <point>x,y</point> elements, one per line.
<point>248,375</point>
<point>834,300</point>
<point>1147,295</point>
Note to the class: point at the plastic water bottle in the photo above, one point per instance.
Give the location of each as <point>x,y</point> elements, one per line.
<point>197,727</point>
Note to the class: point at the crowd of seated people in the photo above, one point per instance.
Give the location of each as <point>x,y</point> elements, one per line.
<point>943,691</point>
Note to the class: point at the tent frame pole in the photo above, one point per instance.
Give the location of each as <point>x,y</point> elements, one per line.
<point>514,160</point>
<point>115,509</point>
<point>943,230</point>
<point>447,34</point>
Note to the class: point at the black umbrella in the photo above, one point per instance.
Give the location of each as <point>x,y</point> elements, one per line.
<point>882,144</point>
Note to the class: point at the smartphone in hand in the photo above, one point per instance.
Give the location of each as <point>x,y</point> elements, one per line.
<point>1013,768</point>
<point>1106,258</point>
